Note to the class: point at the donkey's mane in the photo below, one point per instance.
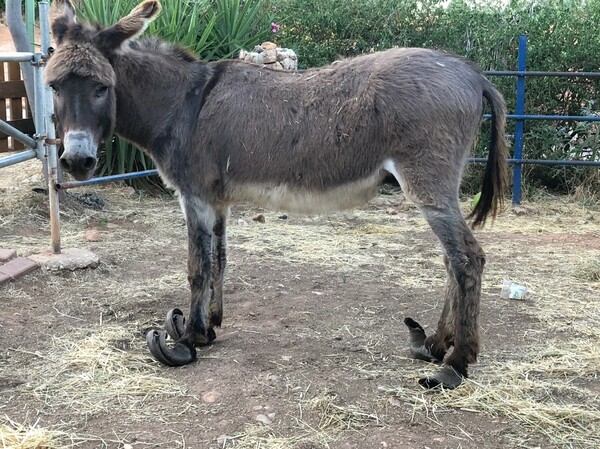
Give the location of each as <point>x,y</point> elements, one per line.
<point>164,48</point>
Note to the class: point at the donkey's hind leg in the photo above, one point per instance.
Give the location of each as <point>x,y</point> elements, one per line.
<point>458,324</point>
<point>433,348</point>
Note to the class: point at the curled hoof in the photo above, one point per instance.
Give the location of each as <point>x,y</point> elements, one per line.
<point>175,324</point>
<point>446,377</point>
<point>418,349</point>
<point>180,354</point>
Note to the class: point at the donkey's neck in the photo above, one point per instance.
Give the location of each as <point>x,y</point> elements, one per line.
<point>159,96</point>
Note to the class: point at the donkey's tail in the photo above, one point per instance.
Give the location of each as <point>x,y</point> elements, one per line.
<point>496,169</point>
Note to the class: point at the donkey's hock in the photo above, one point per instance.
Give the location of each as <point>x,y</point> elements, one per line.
<point>339,131</point>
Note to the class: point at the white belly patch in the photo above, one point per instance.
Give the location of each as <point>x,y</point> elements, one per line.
<point>291,199</point>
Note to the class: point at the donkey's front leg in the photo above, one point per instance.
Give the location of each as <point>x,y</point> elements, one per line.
<point>201,222</point>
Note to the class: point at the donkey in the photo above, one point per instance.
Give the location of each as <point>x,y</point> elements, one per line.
<point>318,140</point>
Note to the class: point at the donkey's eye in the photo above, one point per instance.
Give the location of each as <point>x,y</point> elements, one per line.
<point>101,91</point>
<point>54,89</point>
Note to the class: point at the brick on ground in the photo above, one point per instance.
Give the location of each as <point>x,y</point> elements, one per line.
<point>16,268</point>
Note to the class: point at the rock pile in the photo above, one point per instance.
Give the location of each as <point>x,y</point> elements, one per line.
<point>272,56</point>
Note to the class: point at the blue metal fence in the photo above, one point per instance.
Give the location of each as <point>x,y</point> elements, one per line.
<point>520,117</point>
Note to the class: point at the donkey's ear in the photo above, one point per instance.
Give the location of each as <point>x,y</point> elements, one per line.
<point>129,27</point>
<point>63,16</point>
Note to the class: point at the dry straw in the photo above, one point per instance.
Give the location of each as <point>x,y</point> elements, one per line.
<point>102,368</point>
<point>331,420</point>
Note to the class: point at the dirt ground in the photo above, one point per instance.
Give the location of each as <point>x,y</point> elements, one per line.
<point>313,352</point>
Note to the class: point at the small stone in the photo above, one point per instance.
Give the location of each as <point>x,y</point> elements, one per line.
<point>277,66</point>
<point>243,54</point>
<point>130,192</point>
<point>242,222</point>
<point>525,209</point>
<point>260,218</point>
<point>268,46</point>
<point>270,56</point>
<point>141,294</point>
<point>92,235</point>
<point>263,419</point>
<point>211,397</point>
<point>283,217</point>
<point>257,407</point>
<point>391,211</point>
<point>289,64</point>
<point>395,401</point>
<point>127,446</point>
<point>257,58</point>
<point>271,415</point>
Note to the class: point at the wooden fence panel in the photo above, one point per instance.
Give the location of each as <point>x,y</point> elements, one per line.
<point>14,107</point>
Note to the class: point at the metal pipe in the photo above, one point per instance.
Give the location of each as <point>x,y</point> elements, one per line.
<point>16,134</point>
<point>520,124</point>
<point>52,153</point>
<point>30,22</point>
<point>112,178</point>
<point>16,56</point>
<point>479,160</point>
<point>16,158</point>
<point>578,118</point>
<point>542,73</point>
<point>44,26</point>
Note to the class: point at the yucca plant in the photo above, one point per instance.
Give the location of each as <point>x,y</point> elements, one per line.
<point>238,25</point>
<point>212,29</point>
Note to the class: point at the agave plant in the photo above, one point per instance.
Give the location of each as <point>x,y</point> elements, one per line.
<point>212,29</point>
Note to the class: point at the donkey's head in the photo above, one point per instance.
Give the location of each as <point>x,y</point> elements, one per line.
<point>83,80</point>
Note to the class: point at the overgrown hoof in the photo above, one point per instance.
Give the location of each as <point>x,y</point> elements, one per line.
<point>446,377</point>
<point>175,324</point>
<point>175,327</point>
<point>180,354</point>
<point>418,350</point>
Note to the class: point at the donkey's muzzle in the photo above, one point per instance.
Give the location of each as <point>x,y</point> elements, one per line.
<point>79,156</point>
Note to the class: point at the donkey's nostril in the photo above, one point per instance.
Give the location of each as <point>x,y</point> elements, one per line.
<point>64,164</point>
<point>89,163</point>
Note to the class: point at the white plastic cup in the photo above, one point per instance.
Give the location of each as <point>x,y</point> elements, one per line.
<point>512,291</point>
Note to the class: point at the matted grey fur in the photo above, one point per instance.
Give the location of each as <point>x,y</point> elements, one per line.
<point>309,141</point>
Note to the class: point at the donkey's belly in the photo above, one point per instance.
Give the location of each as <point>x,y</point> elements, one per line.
<point>309,200</point>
